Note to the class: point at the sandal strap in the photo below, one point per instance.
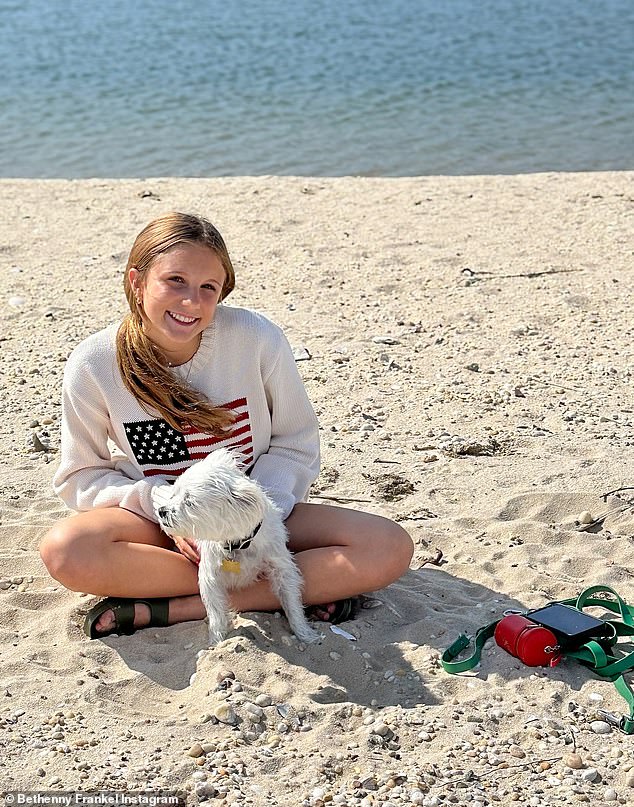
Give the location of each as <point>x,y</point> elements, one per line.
<point>159,612</point>
<point>344,610</point>
<point>123,611</point>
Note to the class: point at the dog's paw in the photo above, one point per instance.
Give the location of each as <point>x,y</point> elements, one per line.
<point>215,637</point>
<point>309,635</point>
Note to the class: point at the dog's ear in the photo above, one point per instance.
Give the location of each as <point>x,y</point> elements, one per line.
<point>246,499</point>
<point>242,460</point>
<point>234,457</point>
<point>222,456</point>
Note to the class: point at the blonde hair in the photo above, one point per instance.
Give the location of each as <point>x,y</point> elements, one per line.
<point>142,365</point>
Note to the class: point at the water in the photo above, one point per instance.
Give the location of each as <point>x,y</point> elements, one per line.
<point>314,87</point>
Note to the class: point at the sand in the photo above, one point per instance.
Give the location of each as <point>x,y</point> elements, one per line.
<point>441,315</point>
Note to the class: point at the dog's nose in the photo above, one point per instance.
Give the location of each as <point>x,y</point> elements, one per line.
<point>162,512</point>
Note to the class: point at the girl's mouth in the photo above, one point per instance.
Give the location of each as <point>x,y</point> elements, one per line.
<point>182,319</point>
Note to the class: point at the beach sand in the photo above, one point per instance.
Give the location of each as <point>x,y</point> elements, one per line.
<point>489,315</point>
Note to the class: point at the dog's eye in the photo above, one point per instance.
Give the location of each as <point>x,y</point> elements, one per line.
<point>187,501</point>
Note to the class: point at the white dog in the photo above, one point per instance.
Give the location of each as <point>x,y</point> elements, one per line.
<point>240,535</point>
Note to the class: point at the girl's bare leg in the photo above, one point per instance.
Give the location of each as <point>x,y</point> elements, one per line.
<point>114,552</point>
<point>343,552</point>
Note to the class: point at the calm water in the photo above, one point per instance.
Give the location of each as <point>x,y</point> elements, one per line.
<point>314,87</point>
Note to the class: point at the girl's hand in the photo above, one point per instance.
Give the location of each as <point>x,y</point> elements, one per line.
<point>188,548</point>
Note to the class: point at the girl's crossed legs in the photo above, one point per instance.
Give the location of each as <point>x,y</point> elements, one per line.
<point>115,552</point>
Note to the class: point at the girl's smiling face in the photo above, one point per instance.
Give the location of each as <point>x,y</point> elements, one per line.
<point>178,295</point>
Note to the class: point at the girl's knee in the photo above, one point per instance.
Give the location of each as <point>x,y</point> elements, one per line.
<point>60,552</point>
<point>386,542</point>
<point>399,545</point>
<point>388,549</point>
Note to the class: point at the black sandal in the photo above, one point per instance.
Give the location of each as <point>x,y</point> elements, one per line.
<point>345,610</point>
<point>123,610</point>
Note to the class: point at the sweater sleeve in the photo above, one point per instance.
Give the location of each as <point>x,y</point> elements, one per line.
<point>291,464</point>
<point>88,476</point>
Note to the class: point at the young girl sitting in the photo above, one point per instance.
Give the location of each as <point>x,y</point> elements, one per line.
<point>182,375</point>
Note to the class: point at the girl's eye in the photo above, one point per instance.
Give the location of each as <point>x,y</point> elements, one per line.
<point>177,279</point>
<point>209,286</point>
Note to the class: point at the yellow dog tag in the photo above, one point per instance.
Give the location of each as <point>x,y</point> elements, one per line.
<point>231,565</point>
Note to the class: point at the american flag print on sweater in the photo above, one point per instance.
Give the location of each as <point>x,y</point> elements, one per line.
<point>161,450</point>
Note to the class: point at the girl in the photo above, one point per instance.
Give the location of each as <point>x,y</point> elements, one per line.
<point>181,376</point>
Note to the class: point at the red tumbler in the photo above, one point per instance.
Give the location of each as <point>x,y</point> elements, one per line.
<point>533,644</point>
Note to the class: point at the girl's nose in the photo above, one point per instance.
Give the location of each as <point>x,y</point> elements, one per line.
<point>192,295</point>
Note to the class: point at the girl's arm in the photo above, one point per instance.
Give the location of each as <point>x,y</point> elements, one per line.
<point>287,470</point>
<point>88,476</point>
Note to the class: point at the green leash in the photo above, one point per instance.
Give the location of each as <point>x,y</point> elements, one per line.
<point>604,659</point>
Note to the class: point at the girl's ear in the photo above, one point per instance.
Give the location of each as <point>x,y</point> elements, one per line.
<point>135,282</point>
<point>134,277</point>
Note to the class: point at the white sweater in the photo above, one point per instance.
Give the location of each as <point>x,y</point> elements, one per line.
<point>244,362</point>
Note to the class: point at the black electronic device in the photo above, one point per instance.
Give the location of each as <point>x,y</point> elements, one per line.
<point>572,627</point>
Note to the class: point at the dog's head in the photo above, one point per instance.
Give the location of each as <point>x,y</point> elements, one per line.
<point>213,501</point>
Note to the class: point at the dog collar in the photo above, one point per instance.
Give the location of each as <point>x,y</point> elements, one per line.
<point>243,543</point>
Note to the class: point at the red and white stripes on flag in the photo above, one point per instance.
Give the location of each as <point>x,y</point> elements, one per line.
<point>161,450</point>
